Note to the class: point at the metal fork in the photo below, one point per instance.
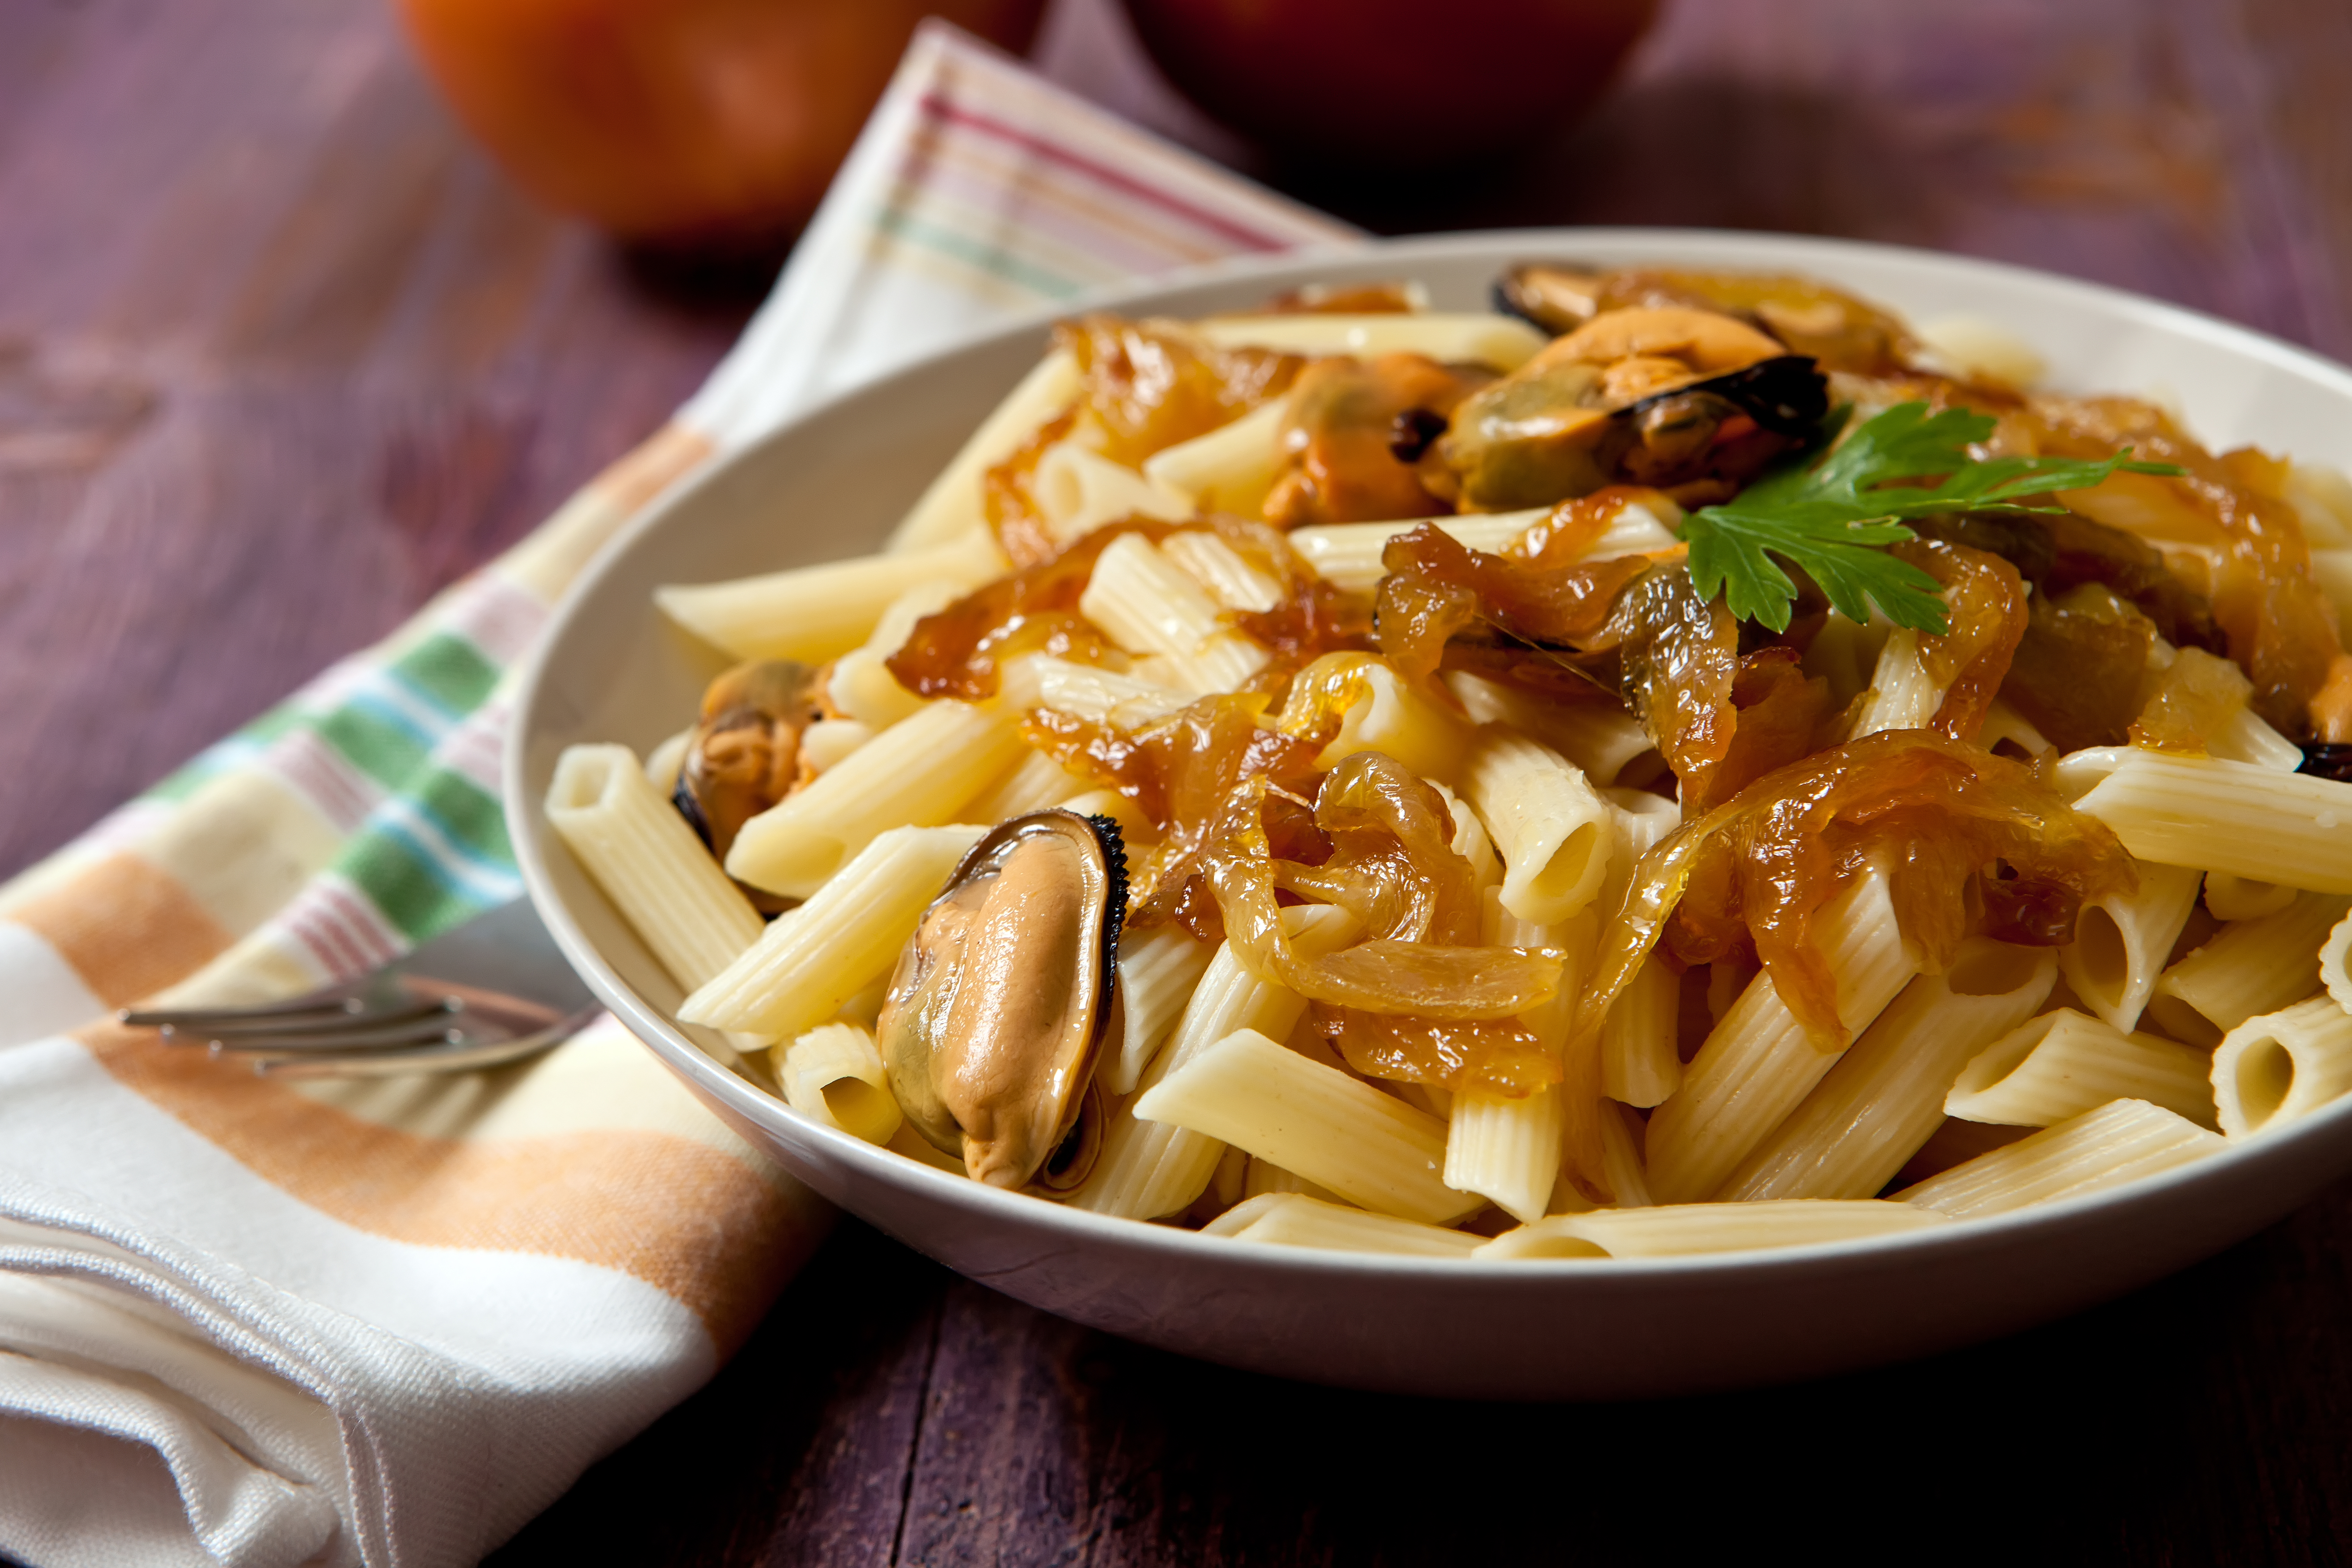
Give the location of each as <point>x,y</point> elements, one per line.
<point>492,991</point>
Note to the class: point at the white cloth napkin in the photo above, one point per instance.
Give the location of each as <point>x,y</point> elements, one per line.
<point>384,1322</point>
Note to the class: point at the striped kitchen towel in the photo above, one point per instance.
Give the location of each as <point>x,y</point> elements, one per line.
<point>251,1321</point>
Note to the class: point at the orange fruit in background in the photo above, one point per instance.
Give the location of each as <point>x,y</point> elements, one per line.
<point>684,122</point>
<point>1397,84</point>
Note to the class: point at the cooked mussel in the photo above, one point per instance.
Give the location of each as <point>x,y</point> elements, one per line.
<point>1669,396</point>
<point>1809,318</point>
<point>1005,995</point>
<point>744,755</point>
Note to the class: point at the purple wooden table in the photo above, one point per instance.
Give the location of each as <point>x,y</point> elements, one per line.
<point>280,356</point>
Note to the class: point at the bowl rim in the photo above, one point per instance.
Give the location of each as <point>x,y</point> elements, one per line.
<point>1176,1245</point>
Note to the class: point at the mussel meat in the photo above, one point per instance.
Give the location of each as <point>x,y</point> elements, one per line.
<point>1005,995</point>
<point>1670,397</point>
<point>744,755</point>
<point>1809,318</point>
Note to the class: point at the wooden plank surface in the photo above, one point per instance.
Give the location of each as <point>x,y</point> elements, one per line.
<point>279,354</point>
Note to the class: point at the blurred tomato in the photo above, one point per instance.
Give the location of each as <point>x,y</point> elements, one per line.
<point>680,120</point>
<point>1401,84</point>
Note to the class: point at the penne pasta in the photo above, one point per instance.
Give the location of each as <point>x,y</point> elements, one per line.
<point>1032,782</point>
<point>1380,713</point>
<point>636,848</point>
<point>2066,1063</point>
<point>1264,1177</point>
<point>2249,967</point>
<point>1230,470</point>
<point>1506,342</point>
<point>923,771</point>
<point>1758,1063</point>
<point>2218,816</point>
<point>1885,1097</point>
<point>835,1077</point>
<point>1147,604</point>
<point>2283,1065</point>
<point>1639,1064</point>
<point>952,506</point>
<point>1335,1129</point>
<point>2229,897</point>
<point>1294,1220</point>
<point>1621,1159</point>
<point>859,686</point>
<point>1157,974</point>
<point>815,613</point>
<point>1601,741</point>
<point>2335,963</point>
<point>1348,555</point>
<point>809,960</point>
<point>1902,695</point>
<point>1552,831</point>
<point>2122,942</point>
<point>1078,490</point>
<point>1231,580</point>
<point>2120,1141</point>
<point>1506,1150</point>
<point>1677,1230</point>
<point>1148,1169</point>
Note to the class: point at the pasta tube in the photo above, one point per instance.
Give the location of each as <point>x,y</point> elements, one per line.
<point>1504,342</point>
<point>1902,694</point>
<point>2335,963</point>
<point>1217,566</point>
<point>813,613</point>
<point>2249,967</point>
<point>1337,1130</point>
<point>2219,815</point>
<point>1078,490</point>
<point>860,685</point>
<point>2121,941</point>
<point>635,846</point>
<point>1759,1063</point>
<point>1348,554</point>
<point>2064,1063</point>
<point>1148,1169</point>
<point>835,1077</point>
<point>2229,897</point>
<point>1599,740</point>
<point>811,959</point>
<point>1229,470</point>
<point>1675,1230</point>
<point>1639,1064</point>
<point>2120,1141</point>
<point>1157,974</point>
<point>1552,831</point>
<point>923,771</point>
<point>1885,1097</point>
<point>1384,715</point>
<point>952,504</point>
<point>1294,1219</point>
<point>1148,605</point>
<point>1031,784</point>
<point>2283,1065</point>
<point>1621,1161</point>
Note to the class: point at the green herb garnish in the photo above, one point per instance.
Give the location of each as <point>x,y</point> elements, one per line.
<point>1832,518</point>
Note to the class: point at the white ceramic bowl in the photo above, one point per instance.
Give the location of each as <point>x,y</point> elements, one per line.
<point>832,483</point>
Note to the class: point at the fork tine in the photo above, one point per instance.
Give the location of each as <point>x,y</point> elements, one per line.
<point>340,1024</point>
<point>434,1058</point>
<point>414,1031</point>
<point>178,1020</point>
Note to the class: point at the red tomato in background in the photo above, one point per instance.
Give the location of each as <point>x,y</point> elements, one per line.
<point>1404,84</point>
<point>680,120</point>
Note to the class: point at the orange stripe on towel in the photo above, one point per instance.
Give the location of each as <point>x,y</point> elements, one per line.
<point>128,926</point>
<point>686,1219</point>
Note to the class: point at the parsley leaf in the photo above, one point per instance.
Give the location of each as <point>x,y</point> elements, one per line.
<point>1832,517</point>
